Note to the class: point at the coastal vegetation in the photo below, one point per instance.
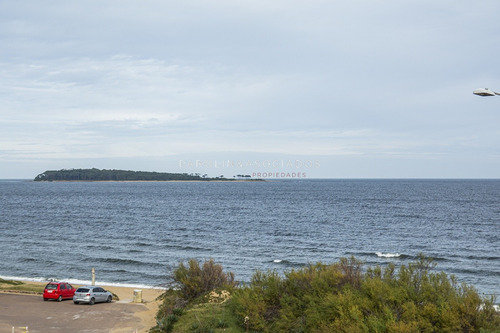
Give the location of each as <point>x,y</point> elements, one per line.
<point>338,297</point>
<point>21,287</point>
<point>119,175</point>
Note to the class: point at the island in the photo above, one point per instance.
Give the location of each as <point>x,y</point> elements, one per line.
<point>120,175</point>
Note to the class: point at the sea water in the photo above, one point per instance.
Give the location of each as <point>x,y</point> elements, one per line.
<point>135,233</point>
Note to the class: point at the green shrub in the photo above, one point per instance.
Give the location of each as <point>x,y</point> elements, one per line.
<point>194,280</point>
<point>165,324</point>
<point>192,284</point>
<point>178,311</point>
<point>341,298</point>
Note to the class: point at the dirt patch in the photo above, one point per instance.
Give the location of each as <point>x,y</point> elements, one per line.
<point>18,310</point>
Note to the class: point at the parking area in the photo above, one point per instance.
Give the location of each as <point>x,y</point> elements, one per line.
<point>18,310</point>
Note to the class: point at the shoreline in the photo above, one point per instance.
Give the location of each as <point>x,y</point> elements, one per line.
<point>44,280</point>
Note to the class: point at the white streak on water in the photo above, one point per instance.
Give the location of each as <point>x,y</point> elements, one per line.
<point>387,255</point>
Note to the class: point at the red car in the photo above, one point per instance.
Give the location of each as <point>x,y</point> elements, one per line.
<point>58,291</point>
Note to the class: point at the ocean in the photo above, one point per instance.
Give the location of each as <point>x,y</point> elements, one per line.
<point>136,233</point>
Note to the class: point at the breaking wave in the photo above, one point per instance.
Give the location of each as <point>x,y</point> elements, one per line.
<point>388,255</point>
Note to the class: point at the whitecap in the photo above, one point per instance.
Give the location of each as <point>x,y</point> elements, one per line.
<point>387,255</point>
<point>277,260</point>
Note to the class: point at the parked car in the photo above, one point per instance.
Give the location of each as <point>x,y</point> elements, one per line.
<point>58,291</point>
<point>91,295</point>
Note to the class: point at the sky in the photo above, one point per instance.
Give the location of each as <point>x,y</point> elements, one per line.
<point>280,89</point>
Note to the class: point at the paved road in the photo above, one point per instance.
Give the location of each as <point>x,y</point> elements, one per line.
<point>64,317</point>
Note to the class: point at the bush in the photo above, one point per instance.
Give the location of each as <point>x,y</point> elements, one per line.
<point>195,280</point>
<point>195,283</point>
<point>341,298</point>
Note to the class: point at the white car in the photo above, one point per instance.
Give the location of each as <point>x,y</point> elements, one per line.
<point>91,295</point>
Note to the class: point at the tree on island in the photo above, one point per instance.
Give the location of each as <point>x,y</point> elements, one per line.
<point>117,175</point>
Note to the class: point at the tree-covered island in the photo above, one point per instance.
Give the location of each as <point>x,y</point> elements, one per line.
<point>120,175</point>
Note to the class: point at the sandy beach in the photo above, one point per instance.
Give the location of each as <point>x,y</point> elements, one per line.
<point>122,316</point>
<point>149,296</point>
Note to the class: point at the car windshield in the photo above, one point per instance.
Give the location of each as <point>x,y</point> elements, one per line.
<point>51,286</point>
<point>82,290</point>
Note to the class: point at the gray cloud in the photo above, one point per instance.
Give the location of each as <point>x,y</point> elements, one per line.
<point>118,80</point>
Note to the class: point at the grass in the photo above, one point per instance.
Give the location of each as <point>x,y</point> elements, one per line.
<point>207,313</point>
<point>207,318</point>
<point>21,287</point>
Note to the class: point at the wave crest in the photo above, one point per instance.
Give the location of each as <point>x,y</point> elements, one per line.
<point>388,255</point>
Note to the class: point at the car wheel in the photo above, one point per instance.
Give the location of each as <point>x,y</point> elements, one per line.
<point>92,301</point>
<point>59,298</point>
<point>45,299</point>
<point>76,302</point>
<point>109,299</point>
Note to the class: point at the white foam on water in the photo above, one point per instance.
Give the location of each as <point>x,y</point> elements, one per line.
<point>388,255</point>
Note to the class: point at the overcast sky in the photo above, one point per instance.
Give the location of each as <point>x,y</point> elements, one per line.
<point>331,89</point>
